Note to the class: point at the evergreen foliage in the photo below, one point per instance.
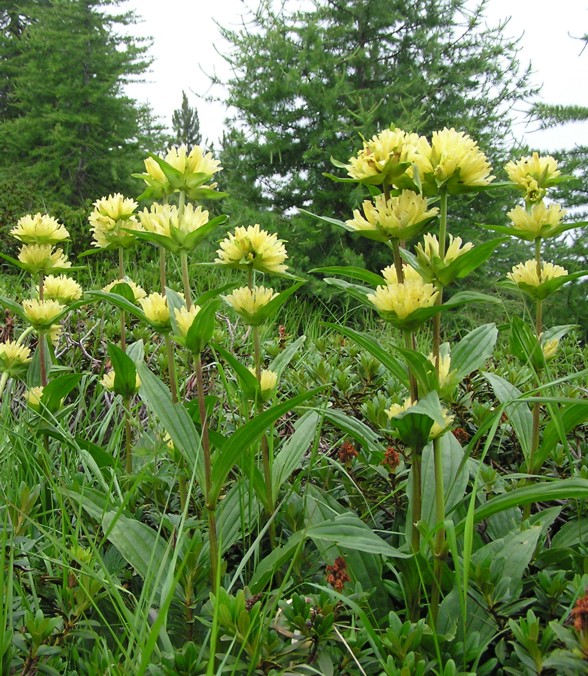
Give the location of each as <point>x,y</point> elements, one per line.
<point>306,81</point>
<point>186,125</point>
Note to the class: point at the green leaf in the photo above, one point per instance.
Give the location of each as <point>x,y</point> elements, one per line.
<point>524,344</point>
<point>361,274</point>
<point>545,491</point>
<point>58,388</point>
<point>267,567</point>
<point>174,418</point>
<point>202,328</point>
<point>518,412</point>
<point>125,371</point>
<point>293,450</point>
<point>356,429</point>
<point>279,364</point>
<point>562,422</point>
<point>246,435</point>
<point>117,301</point>
<point>414,425</point>
<point>465,264</point>
<point>473,350</point>
<point>247,380</point>
<point>15,308</point>
<point>142,547</point>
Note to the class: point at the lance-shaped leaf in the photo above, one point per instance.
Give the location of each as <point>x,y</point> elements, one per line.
<point>285,356</point>
<point>473,350</point>
<point>202,328</point>
<point>545,289</point>
<point>57,389</point>
<point>247,380</point>
<point>246,435</point>
<point>125,371</point>
<point>566,419</point>
<point>118,301</point>
<point>524,344</point>
<point>352,272</point>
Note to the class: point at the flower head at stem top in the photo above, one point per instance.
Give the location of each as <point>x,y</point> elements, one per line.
<point>267,383</point>
<point>111,219</point>
<point>107,381</point>
<point>42,258</point>
<point>429,256</point>
<point>250,303</point>
<point>178,226</point>
<point>533,174</point>
<point>185,318</point>
<point>42,313</point>
<point>156,311</point>
<point>39,229</point>
<point>454,162</point>
<point>386,157</point>
<point>397,302</point>
<point>189,171</point>
<point>539,220</point>
<point>528,274</point>
<point>61,288</point>
<point>253,248</point>
<point>14,358</point>
<point>399,217</point>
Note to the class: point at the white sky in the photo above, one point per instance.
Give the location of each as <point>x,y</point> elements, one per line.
<point>186,40</point>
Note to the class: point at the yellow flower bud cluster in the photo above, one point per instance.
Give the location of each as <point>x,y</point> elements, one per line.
<point>533,174</point>
<point>111,219</point>
<point>436,429</point>
<point>529,274</point>
<point>166,220</point>
<point>401,299</point>
<point>138,291</point>
<point>156,311</point>
<point>249,303</point>
<point>39,234</point>
<point>254,248</point>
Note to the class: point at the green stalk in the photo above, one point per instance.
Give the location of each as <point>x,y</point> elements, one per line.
<point>123,318</point>
<point>439,547</point>
<point>162,274</point>
<point>128,435</point>
<point>42,355</point>
<point>3,381</point>
<point>186,278</point>
<point>265,455</point>
<point>210,505</point>
<point>538,331</point>
<point>417,500</point>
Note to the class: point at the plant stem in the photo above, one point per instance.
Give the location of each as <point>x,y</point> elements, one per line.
<point>210,506</point>
<point>171,368</point>
<point>41,334</point>
<point>439,547</point>
<point>536,405</point>
<point>186,279</point>
<point>123,318</point>
<point>128,435</point>
<point>417,501</point>
<point>3,381</point>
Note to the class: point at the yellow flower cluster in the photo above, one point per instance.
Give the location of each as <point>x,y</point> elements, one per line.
<point>111,218</point>
<point>185,318</point>
<point>107,381</point>
<point>156,311</point>
<point>405,298</point>
<point>253,247</point>
<point>533,174</point>
<point>13,357</point>
<point>539,220</point>
<point>401,217</point>
<point>168,221</point>
<point>42,313</point>
<point>248,303</point>
<point>527,273</point>
<point>61,288</point>
<point>42,258</point>
<point>39,229</point>
<point>268,381</point>
<point>391,275</point>
<point>452,160</point>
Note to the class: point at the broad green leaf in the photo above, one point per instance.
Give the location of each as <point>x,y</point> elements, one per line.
<point>125,371</point>
<point>356,429</point>
<point>279,364</point>
<point>360,274</point>
<point>246,435</point>
<point>563,420</point>
<point>202,328</point>
<point>174,418</point>
<point>571,534</point>
<point>58,388</point>
<point>117,301</point>
<point>141,546</point>
<point>414,424</point>
<point>473,350</point>
<point>518,412</point>
<point>293,449</point>
<point>348,531</point>
<point>545,491</point>
<point>455,477</point>
<point>524,344</point>
<point>267,567</point>
<point>247,380</point>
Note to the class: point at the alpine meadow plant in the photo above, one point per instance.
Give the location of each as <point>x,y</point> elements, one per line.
<point>217,493</point>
